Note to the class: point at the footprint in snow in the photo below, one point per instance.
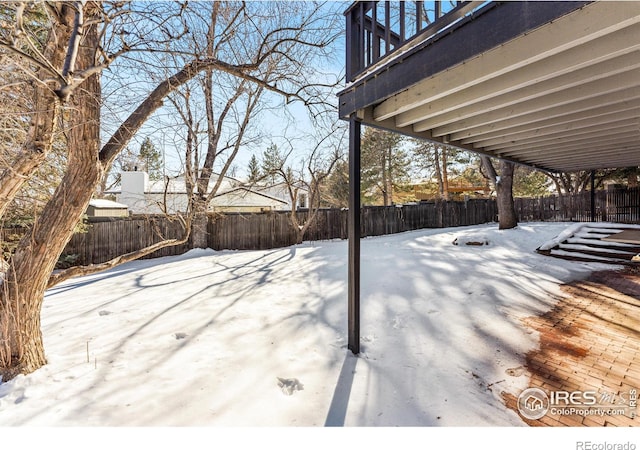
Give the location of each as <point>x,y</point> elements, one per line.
<point>289,385</point>
<point>516,371</point>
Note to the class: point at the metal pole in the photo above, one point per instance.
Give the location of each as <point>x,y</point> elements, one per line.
<point>354,237</point>
<point>593,195</point>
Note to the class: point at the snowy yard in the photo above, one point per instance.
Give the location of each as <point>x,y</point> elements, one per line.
<point>258,338</point>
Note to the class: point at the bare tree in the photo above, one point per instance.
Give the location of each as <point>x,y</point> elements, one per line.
<point>308,180</point>
<point>225,107</point>
<point>33,261</point>
<point>575,182</point>
<point>65,63</point>
<point>31,52</point>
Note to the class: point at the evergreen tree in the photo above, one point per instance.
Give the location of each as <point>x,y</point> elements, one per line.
<point>385,164</point>
<point>337,192</point>
<point>446,165</point>
<point>272,161</point>
<point>254,169</point>
<point>529,182</point>
<point>150,159</point>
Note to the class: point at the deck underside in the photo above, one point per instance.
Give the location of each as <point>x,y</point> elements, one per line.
<point>551,85</point>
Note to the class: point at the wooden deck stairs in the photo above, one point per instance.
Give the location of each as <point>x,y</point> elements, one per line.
<point>596,242</point>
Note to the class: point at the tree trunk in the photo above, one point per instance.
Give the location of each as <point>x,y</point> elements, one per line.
<point>389,187</point>
<point>45,117</point>
<point>632,178</point>
<point>37,253</point>
<point>385,181</point>
<point>301,229</point>
<point>445,176</point>
<point>199,224</point>
<point>507,217</point>
<point>436,163</point>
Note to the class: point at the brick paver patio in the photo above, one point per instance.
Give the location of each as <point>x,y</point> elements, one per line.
<point>590,342</point>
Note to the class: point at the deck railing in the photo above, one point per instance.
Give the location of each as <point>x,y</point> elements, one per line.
<point>377,29</point>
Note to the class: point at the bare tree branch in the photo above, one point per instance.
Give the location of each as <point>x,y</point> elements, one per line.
<point>71,272</point>
<point>74,42</point>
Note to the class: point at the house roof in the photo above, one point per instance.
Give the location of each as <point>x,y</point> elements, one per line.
<point>250,191</point>
<point>177,185</point>
<point>281,185</point>
<point>106,204</point>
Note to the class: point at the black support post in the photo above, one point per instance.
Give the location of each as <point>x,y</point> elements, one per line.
<point>593,195</point>
<point>354,237</point>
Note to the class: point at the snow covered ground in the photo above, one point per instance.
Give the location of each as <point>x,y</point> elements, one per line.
<point>258,338</point>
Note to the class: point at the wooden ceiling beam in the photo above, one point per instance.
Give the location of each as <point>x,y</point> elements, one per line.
<point>607,133</point>
<point>564,33</point>
<point>623,110</point>
<point>536,109</point>
<point>558,131</point>
<point>553,155</point>
<point>588,62</point>
<point>539,94</point>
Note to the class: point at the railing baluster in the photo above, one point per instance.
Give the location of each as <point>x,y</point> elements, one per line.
<point>402,22</point>
<point>387,27</point>
<point>365,31</point>
<point>374,31</point>
<point>353,46</point>
<point>362,35</point>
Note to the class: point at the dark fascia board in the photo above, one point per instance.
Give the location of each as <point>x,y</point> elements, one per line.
<point>487,28</point>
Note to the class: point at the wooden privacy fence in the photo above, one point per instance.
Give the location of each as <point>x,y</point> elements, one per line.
<point>380,220</point>
<point>241,231</point>
<point>108,238</point>
<point>245,231</point>
<point>612,205</point>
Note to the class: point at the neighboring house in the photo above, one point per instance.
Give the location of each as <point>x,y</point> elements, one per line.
<point>280,190</point>
<point>144,196</point>
<point>243,199</point>
<point>106,208</point>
